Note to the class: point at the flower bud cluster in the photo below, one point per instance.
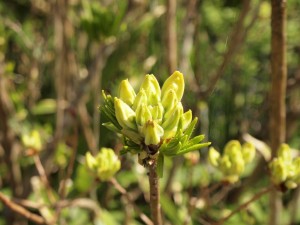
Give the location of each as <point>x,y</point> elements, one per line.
<point>152,114</point>
<point>285,171</point>
<point>104,165</point>
<point>32,140</point>
<point>233,161</point>
<point>152,120</point>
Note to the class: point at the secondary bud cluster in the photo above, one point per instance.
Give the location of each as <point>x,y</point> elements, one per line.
<point>152,119</point>
<point>284,169</point>
<point>104,165</point>
<point>32,141</point>
<point>233,161</point>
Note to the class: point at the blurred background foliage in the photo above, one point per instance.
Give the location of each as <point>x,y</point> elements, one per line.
<point>55,58</point>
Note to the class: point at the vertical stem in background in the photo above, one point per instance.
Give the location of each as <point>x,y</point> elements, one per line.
<point>61,63</point>
<point>278,94</point>
<point>154,193</point>
<point>171,36</point>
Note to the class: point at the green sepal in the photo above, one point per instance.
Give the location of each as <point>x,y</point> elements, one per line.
<point>195,141</point>
<point>193,148</point>
<point>112,127</point>
<point>173,151</point>
<point>108,109</point>
<point>160,165</point>
<point>189,130</point>
<point>130,146</point>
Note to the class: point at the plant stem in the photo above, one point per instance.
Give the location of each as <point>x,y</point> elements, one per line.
<point>246,204</point>
<point>21,210</point>
<point>123,191</point>
<point>154,193</point>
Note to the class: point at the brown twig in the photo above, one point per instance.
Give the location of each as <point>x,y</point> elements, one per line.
<point>73,143</point>
<point>235,41</point>
<point>277,113</point>
<point>171,36</point>
<point>43,176</point>
<point>246,204</point>
<point>80,202</point>
<point>85,122</point>
<point>21,210</point>
<point>154,193</point>
<point>143,217</point>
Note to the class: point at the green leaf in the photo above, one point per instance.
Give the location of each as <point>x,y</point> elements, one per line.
<point>193,148</point>
<point>45,106</point>
<point>189,130</point>
<point>170,210</point>
<point>111,126</point>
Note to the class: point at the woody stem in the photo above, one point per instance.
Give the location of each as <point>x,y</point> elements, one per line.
<point>154,193</point>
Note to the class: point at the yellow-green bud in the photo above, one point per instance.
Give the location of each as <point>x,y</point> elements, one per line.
<point>152,89</point>
<point>152,132</point>
<point>124,114</point>
<point>233,144</point>
<point>186,119</point>
<point>248,151</point>
<point>278,170</point>
<point>174,82</point>
<point>290,184</point>
<point>143,114</point>
<point>104,165</point>
<point>32,140</point>
<point>169,100</point>
<point>171,123</point>
<point>141,98</point>
<point>91,162</point>
<point>237,161</point>
<point>296,166</point>
<point>126,92</point>
<point>225,164</point>
<point>284,152</point>
<point>213,156</point>
<point>157,112</point>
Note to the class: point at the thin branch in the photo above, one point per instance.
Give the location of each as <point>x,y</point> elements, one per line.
<point>277,113</point>
<point>80,202</point>
<point>43,176</point>
<point>171,36</point>
<point>21,210</point>
<point>85,125</point>
<point>143,217</point>
<point>235,41</point>
<point>154,193</point>
<point>70,168</point>
<point>246,204</point>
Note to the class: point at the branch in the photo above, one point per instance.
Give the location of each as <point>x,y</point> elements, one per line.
<point>246,204</point>
<point>21,210</point>
<point>236,39</point>
<point>43,176</point>
<point>154,193</point>
<point>143,217</point>
<point>171,36</point>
